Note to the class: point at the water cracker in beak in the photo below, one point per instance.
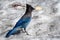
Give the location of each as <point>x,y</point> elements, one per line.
<point>38,8</point>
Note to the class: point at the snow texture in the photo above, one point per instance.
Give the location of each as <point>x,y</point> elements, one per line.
<point>45,23</point>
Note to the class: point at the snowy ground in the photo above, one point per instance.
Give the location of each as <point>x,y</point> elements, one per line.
<point>45,23</point>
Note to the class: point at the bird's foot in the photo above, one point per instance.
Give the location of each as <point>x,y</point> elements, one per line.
<point>26,32</point>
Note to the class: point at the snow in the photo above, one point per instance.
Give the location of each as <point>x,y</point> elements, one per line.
<point>45,23</point>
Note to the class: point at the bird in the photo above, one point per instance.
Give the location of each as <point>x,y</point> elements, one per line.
<point>22,22</point>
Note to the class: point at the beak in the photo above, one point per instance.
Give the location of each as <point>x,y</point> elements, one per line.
<point>38,8</point>
<point>33,8</point>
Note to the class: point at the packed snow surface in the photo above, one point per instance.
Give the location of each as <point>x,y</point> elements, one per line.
<point>45,23</point>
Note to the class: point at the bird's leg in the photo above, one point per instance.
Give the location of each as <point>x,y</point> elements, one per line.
<point>21,29</point>
<point>25,31</point>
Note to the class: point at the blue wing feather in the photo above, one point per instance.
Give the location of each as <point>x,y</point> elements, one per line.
<point>22,21</point>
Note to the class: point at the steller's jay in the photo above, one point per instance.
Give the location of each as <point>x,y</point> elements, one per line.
<point>22,23</point>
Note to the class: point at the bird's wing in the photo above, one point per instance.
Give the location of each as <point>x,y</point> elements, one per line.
<point>22,21</point>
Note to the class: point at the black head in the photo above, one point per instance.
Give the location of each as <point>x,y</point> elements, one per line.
<point>29,7</point>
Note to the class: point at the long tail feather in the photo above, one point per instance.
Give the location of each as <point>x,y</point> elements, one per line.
<point>12,32</point>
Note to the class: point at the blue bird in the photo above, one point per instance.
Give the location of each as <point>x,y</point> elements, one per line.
<point>22,23</point>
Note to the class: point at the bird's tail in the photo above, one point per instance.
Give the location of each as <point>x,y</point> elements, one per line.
<point>8,34</point>
<point>12,32</point>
